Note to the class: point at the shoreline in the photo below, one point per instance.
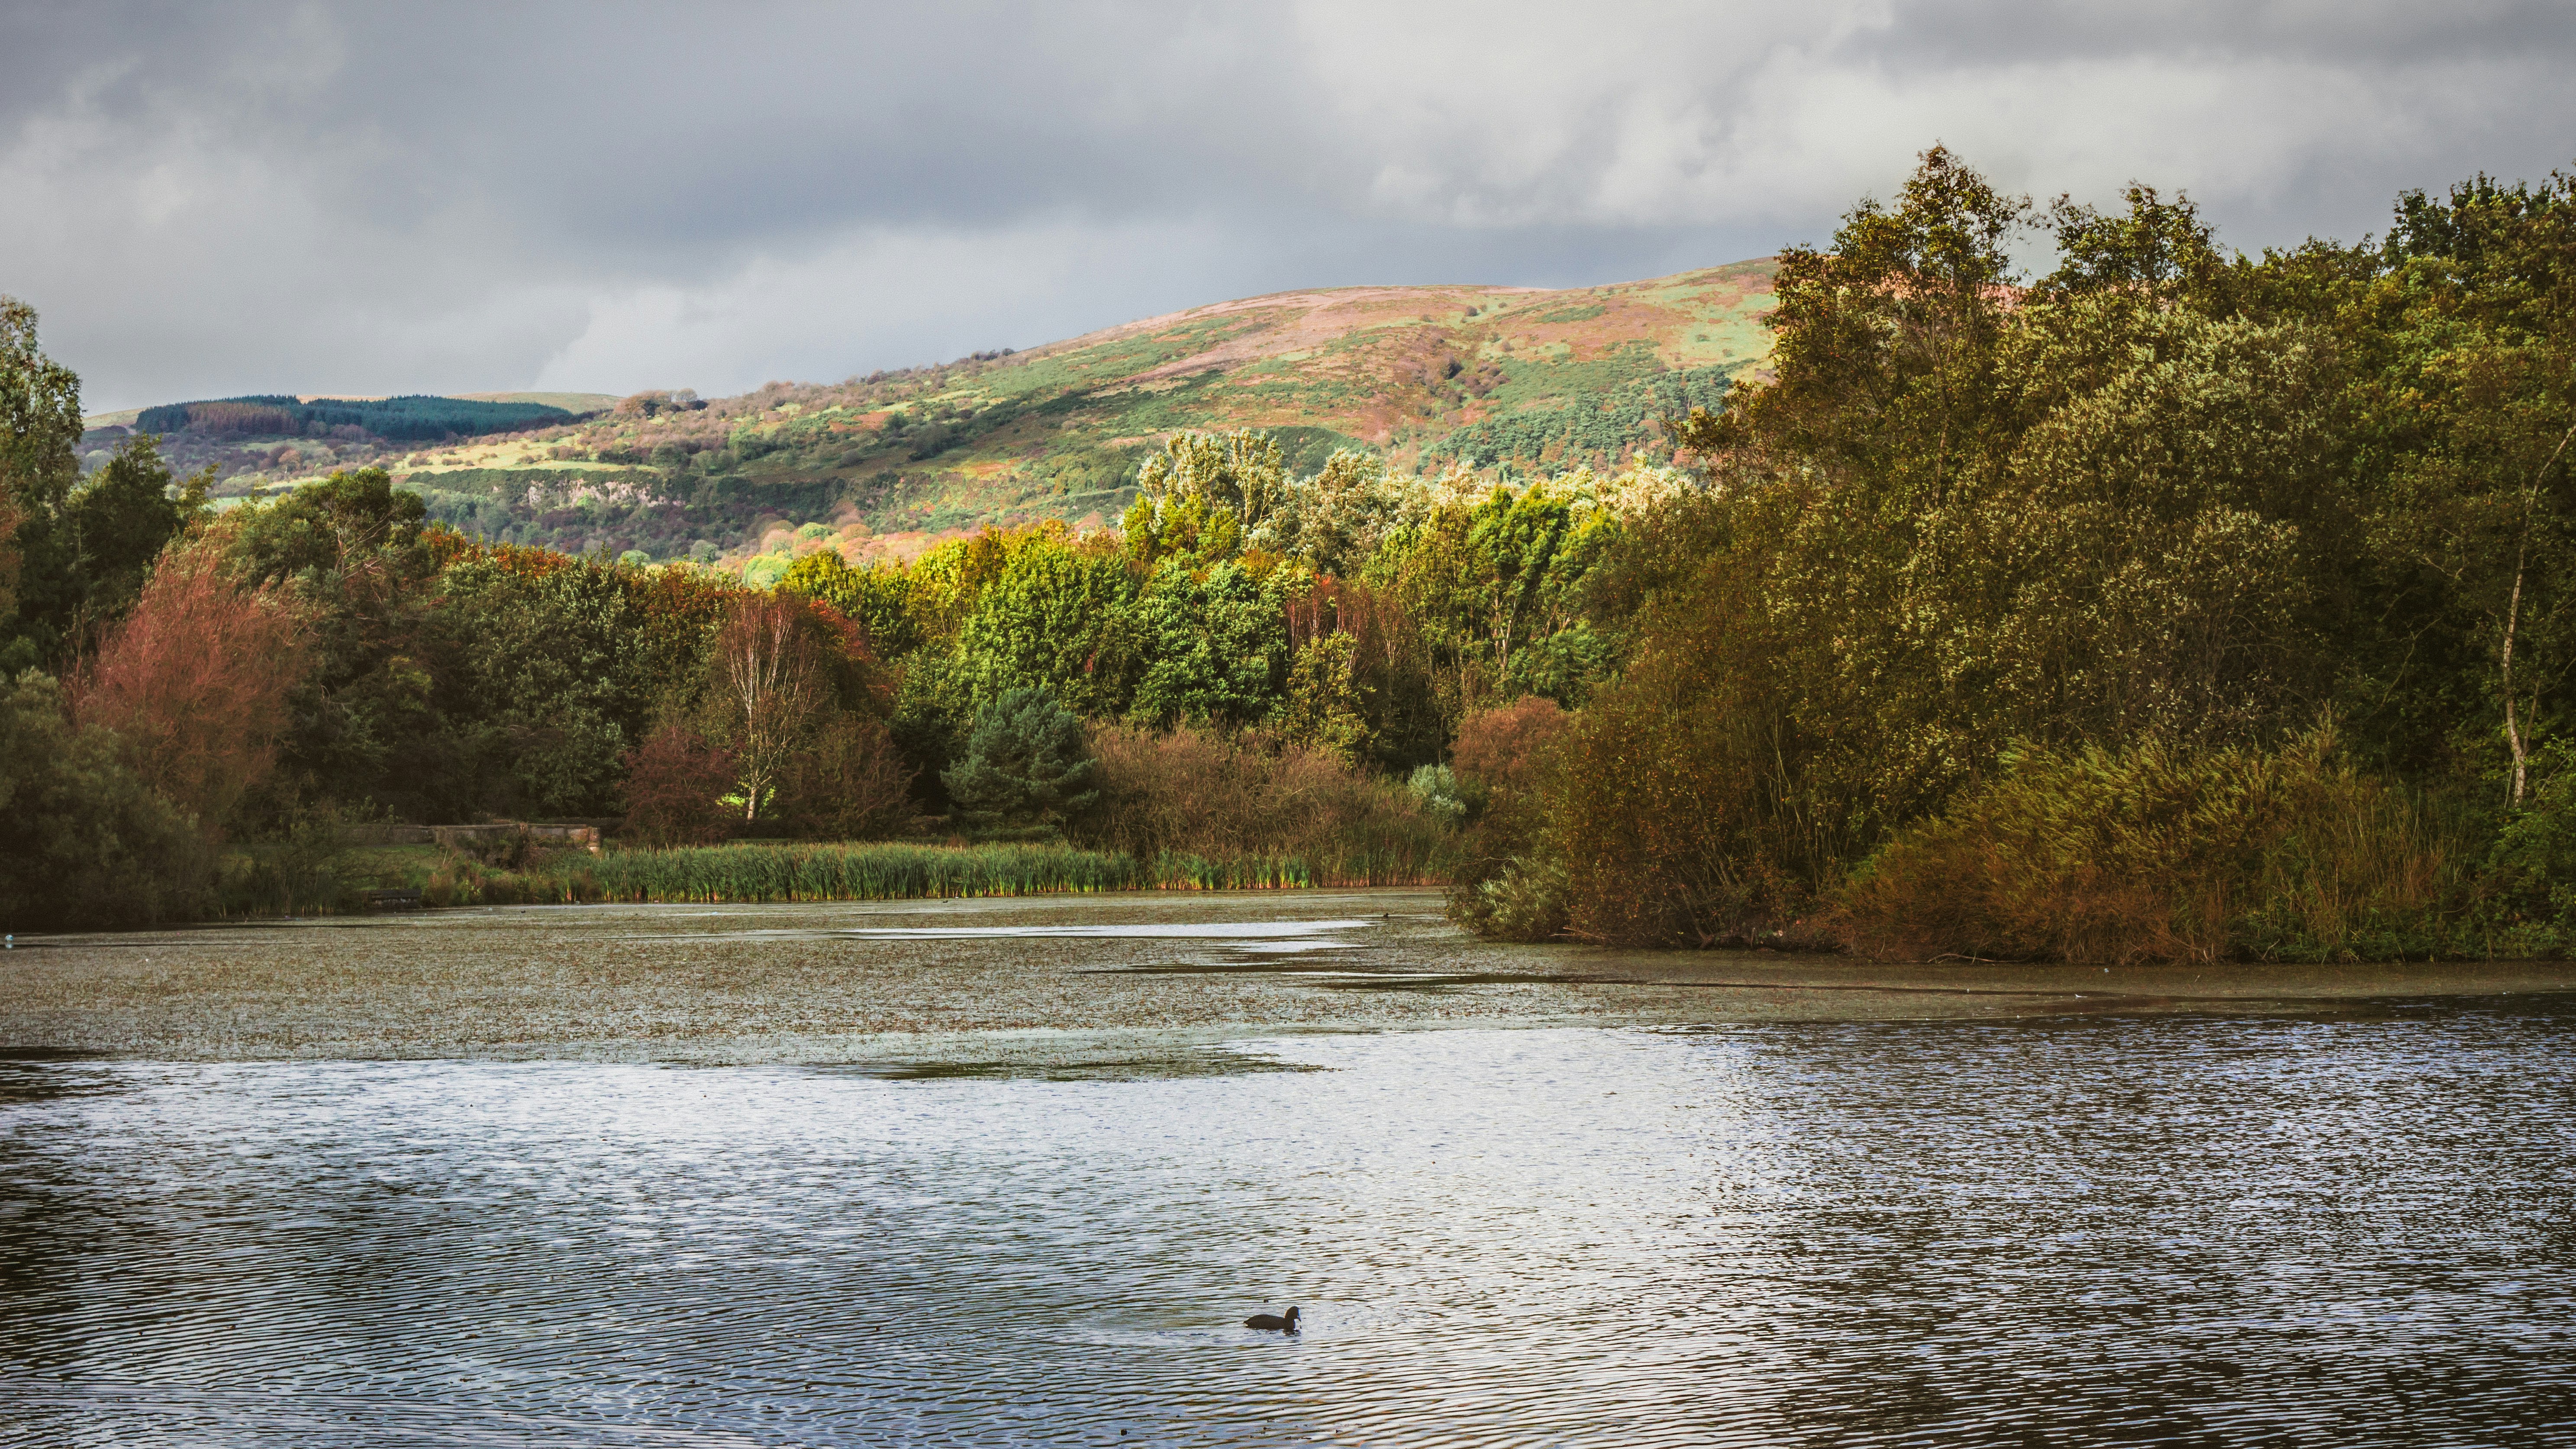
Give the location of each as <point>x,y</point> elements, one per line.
<point>1139,983</point>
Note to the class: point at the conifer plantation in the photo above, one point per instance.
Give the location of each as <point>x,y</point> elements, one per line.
<point>2158,601</point>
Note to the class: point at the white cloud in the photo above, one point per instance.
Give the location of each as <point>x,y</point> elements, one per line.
<point>883,297</point>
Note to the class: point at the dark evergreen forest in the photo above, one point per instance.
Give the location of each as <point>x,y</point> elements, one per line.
<point>394,419</point>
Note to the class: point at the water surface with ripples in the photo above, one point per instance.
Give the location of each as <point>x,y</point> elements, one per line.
<point>1521,1198</point>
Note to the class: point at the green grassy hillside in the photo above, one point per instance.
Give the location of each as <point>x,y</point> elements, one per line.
<point>1505,381</point>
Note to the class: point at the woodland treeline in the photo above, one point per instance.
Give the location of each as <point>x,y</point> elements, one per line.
<point>412,418</point>
<point>2171,602</point>
<point>1200,684</point>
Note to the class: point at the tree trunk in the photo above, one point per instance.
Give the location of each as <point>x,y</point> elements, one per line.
<point>2513,616</point>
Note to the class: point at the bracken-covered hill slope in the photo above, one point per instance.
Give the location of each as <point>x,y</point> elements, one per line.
<point>1508,381</point>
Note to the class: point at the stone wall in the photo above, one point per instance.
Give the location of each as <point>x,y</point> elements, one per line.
<point>480,839</point>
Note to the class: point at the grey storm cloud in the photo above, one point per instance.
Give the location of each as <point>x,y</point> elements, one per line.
<point>211,199</point>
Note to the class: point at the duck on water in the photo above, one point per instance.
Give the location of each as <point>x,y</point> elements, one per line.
<point>1272,1322</point>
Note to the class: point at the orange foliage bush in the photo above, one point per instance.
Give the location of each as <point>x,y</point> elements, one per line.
<point>1504,748</point>
<point>1199,792</point>
<point>675,786</point>
<point>195,682</point>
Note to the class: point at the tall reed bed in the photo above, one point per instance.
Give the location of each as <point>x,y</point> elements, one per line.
<point>847,872</point>
<point>887,871</point>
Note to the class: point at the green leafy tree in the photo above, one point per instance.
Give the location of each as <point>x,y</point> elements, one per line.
<point>2473,405</point>
<point>40,429</point>
<point>878,598</point>
<point>1884,341</point>
<point>1216,642</point>
<point>2103,514</point>
<point>676,612</point>
<point>1026,763</point>
<point>73,552</point>
<point>1360,684</point>
<point>372,720</point>
<point>1327,705</point>
<point>1056,617</point>
<point>84,842</point>
<point>1203,497</point>
<point>1335,520</point>
<point>120,518</point>
<point>1489,579</point>
<point>551,682</point>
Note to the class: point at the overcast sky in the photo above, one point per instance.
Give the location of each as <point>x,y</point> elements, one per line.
<point>210,199</point>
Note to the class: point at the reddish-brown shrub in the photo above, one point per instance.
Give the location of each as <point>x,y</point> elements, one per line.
<point>675,786</point>
<point>195,682</point>
<point>1508,882</point>
<point>1504,748</point>
<point>851,783</point>
<point>1199,792</point>
<point>1677,805</point>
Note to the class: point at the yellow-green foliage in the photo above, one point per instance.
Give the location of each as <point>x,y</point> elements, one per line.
<point>1199,497</point>
<point>1683,809</point>
<point>2156,853</point>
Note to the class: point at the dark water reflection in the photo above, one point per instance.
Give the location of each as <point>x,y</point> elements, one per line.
<point>2067,1230</point>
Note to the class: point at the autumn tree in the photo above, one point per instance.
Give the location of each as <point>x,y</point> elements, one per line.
<point>196,682</point>
<point>768,694</point>
<point>783,672</point>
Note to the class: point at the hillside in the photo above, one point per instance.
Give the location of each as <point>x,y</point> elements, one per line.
<point>1507,381</point>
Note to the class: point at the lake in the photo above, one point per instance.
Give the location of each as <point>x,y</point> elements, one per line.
<point>1014,1172</point>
